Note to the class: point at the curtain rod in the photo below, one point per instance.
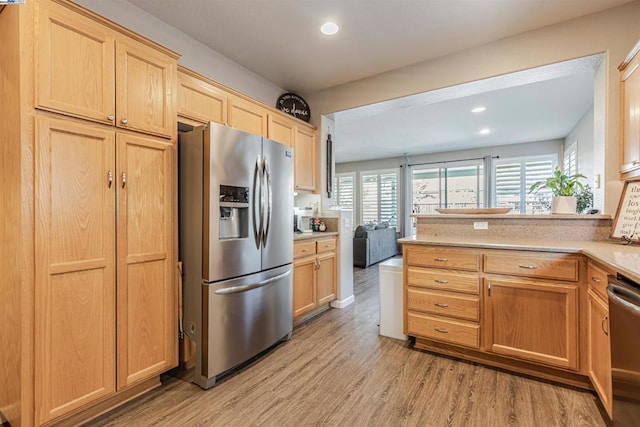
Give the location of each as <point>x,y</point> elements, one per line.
<point>448,161</point>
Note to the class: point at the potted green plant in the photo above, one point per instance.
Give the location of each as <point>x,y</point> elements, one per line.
<point>563,189</point>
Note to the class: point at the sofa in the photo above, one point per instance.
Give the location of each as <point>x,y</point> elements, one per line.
<point>373,243</point>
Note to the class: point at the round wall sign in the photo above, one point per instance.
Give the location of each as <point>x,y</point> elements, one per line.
<point>294,105</point>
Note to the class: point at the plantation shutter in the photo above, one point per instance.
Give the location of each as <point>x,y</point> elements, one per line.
<point>379,194</point>
<point>514,177</point>
<point>344,190</point>
<point>369,198</point>
<point>388,198</point>
<point>508,185</point>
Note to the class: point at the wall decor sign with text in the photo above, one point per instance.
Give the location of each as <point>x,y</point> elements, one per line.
<point>626,225</point>
<point>294,105</point>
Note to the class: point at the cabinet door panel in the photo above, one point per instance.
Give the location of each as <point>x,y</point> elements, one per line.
<point>304,276</point>
<point>281,129</point>
<point>326,279</point>
<point>75,64</point>
<point>630,117</point>
<point>305,159</point>
<point>74,321</point>
<point>147,315</point>
<point>145,80</point>
<point>201,101</point>
<point>247,116</point>
<point>600,351</point>
<point>533,321</point>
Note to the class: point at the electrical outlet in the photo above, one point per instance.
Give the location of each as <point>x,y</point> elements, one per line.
<point>480,225</point>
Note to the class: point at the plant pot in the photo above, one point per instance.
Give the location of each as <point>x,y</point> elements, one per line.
<point>563,205</point>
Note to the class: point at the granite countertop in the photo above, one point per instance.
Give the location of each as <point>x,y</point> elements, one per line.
<point>313,235</point>
<point>624,259</point>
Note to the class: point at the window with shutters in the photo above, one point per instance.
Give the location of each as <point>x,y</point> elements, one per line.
<point>448,186</point>
<point>343,188</point>
<point>379,197</point>
<point>512,178</point>
<point>570,164</point>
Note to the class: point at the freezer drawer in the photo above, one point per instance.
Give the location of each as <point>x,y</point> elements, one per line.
<point>243,317</point>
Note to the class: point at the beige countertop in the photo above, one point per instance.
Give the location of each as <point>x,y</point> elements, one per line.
<point>313,235</point>
<point>624,259</point>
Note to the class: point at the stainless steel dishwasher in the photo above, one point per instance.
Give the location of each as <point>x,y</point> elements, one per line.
<point>624,321</point>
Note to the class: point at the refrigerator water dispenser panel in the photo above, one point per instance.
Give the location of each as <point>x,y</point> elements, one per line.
<point>234,212</point>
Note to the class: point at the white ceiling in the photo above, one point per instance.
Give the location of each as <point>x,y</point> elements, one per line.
<point>280,40</point>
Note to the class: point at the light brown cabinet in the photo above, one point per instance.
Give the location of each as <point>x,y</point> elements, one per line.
<point>629,117</point>
<point>199,99</point>
<point>98,304</point>
<point>314,274</point>
<point>75,266</point>
<point>599,347</point>
<point>106,77</point>
<point>247,116</point>
<point>442,295</point>
<point>89,208</point>
<point>281,129</point>
<point>533,321</point>
<point>304,152</point>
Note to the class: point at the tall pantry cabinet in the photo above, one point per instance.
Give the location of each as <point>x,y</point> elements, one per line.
<point>97,118</point>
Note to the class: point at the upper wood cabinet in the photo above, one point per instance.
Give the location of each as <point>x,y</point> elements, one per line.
<point>86,69</point>
<point>200,100</point>
<point>247,116</point>
<point>75,64</point>
<point>281,129</point>
<point>75,259</point>
<point>145,88</point>
<point>630,115</point>
<point>304,154</point>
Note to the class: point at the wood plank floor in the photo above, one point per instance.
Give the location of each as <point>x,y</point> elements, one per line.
<point>337,371</point>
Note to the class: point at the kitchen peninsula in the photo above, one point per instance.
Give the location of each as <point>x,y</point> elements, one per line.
<point>525,293</point>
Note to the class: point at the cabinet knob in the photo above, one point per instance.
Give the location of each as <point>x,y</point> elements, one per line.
<point>124,121</point>
<point>110,118</point>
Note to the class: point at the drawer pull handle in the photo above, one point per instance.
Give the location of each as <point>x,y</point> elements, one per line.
<point>604,319</point>
<point>305,250</point>
<point>444,282</point>
<point>441,330</point>
<point>528,267</point>
<point>440,304</point>
<point>441,259</point>
<point>326,246</point>
<point>595,279</point>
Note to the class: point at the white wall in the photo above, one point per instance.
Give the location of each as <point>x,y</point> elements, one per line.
<point>195,55</point>
<point>614,31</point>
<point>582,135</point>
<point>554,146</point>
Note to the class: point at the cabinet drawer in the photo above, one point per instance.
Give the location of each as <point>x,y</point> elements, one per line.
<point>326,245</point>
<point>443,258</point>
<point>597,279</point>
<point>443,303</point>
<point>455,332</point>
<point>302,249</point>
<point>443,280</point>
<point>543,266</point>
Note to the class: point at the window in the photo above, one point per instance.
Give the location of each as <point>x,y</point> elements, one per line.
<point>344,190</point>
<point>570,164</point>
<point>460,186</point>
<point>513,178</point>
<point>379,194</point>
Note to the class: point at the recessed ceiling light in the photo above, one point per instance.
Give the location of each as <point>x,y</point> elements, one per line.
<point>479,109</point>
<point>485,131</point>
<point>329,28</point>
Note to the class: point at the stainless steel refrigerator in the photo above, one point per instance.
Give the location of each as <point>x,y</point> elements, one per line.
<point>236,245</point>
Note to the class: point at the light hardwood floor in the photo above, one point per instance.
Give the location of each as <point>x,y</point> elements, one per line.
<point>337,371</point>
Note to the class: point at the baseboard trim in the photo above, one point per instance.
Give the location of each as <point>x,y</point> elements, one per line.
<point>343,303</point>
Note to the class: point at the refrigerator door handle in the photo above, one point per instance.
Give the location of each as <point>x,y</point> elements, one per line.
<point>267,173</point>
<point>257,188</point>
<point>244,288</point>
